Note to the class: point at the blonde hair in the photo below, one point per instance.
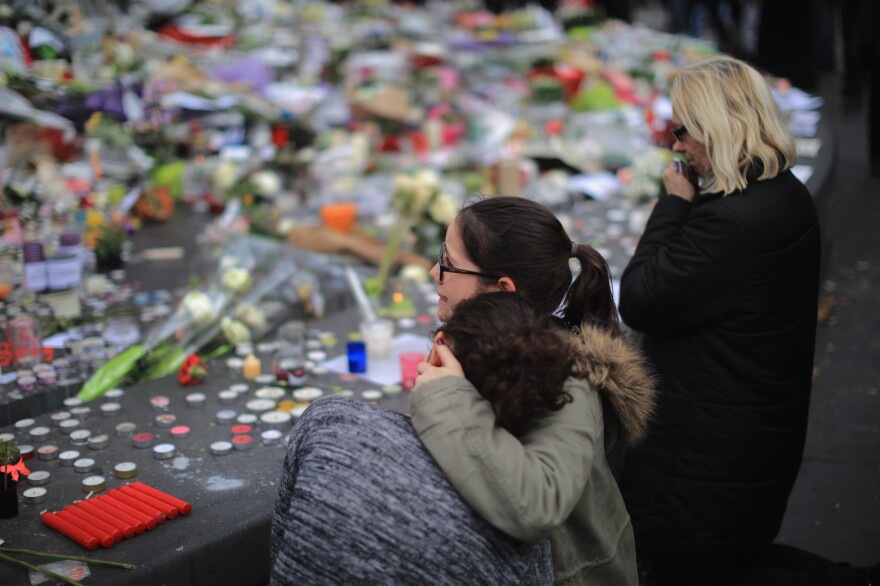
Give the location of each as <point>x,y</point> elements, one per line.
<point>726,105</point>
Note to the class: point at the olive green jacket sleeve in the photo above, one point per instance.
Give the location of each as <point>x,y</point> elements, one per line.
<point>524,488</point>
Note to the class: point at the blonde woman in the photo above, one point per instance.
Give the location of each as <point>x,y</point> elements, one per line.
<point>724,287</point>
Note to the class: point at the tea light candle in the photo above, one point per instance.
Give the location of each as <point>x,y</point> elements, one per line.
<point>23,425</point>
<point>240,388</point>
<point>70,402</point>
<point>164,451</point>
<point>142,440</point>
<point>307,394</point>
<point>260,405</point>
<point>241,429</point>
<point>114,395</point>
<point>110,409</point>
<point>35,496</point>
<point>99,442</point>
<point>94,483</point>
<point>265,379</point>
<point>225,416</point>
<point>125,429</point>
<point>235,364</point>
<point>39,478</point>
<point>275,420</point>
<point>47,452</point>
<point>84,465</point>
<point>68,425</point>
<point>274,393</point>
<point>68,458</point>
<point>59,416</point>
<point>196,399</point>
<point>271,437</point>
<point>243,442</point>
<point>160,402</point>
<point>80,437</point>
<point>80,413</point>
<point>221,448</point>
<point>38,434</point>
<point>180,431</point>
<point>125,470</point>
<point>166,420</point>
<point>227,397</point>
<point>26,451</point>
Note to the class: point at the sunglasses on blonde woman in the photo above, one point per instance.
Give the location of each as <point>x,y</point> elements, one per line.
<point>679,133</point>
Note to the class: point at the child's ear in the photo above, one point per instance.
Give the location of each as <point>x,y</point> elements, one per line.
<point>434,359</point>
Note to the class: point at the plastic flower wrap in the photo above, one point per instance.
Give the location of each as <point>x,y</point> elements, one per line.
<point>249,269</point>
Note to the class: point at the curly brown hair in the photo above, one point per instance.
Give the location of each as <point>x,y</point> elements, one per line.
<point>513,355</point>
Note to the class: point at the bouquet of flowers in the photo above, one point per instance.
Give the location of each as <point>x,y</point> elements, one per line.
<point>249,270</point>
<point>643,179</point>
<point>421,208</point>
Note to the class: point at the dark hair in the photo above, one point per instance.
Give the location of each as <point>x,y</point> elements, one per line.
<point>524,240</point>
<point>513,355</point>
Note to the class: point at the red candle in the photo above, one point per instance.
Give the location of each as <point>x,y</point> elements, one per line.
<point>182,506</point>
<point>71,531</point>
<point>103,538</point>
<point>102,503</point>
<point>148,520</point>
<point>144,508</point>
<point>169,510</point>
<point>126,528</point>
<point>102,530</point>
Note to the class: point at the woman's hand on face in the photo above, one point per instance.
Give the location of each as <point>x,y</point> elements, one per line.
<point>677,184</point>
<point>446,365</point>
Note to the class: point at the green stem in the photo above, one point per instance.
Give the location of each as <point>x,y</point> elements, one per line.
<point>69,557</point>
<point>391,249</point>
<point>39,570</point>
<point>216,353</point>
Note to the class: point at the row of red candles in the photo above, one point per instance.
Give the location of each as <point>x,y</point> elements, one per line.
<point>123,512</point>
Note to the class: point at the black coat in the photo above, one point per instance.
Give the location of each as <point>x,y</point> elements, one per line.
<point>725,291</point>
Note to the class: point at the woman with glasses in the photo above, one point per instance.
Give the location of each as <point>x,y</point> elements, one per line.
<point>724,286</point>
<point>555,479</point>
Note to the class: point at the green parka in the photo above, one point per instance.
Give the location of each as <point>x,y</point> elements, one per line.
<point>556,480</point>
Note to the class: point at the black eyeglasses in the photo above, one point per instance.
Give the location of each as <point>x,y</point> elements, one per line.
<point>445,268</point>
<point>679,133</point>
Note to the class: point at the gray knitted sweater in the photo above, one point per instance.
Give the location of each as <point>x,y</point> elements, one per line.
<point>361,501</point>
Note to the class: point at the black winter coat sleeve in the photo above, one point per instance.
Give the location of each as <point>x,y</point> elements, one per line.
<point>686,270</point>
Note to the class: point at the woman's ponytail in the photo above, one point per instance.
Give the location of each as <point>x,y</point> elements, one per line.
<point>589,298</point>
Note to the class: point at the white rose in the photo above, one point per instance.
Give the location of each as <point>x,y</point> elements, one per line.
<point>428,179</point>
<point>236,279</point>
<point>124,55</point>
<point>267,183</point>
<point>443,209</point>
<point>225,176</point>
<point>404,184</point>
<point>199,307</point>
<point>252,316</point>
<point>235,331</point>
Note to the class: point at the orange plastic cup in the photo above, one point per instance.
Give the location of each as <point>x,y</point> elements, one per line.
<point>339,216</point>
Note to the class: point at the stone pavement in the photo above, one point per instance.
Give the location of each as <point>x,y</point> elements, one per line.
<point>834,510</point>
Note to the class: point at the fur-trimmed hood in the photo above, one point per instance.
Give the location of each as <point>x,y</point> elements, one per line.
<point>614,367</point>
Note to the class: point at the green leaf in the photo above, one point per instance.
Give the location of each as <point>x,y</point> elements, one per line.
<point>112,373</point>
<point>169,364</point>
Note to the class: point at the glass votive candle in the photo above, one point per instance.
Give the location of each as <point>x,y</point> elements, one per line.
<point>409,362</point>
<point>377,335</point>
<point>357,356</point>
